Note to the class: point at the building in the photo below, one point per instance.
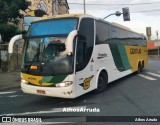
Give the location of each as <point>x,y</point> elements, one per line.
<point>153,48</point>
<point>38,8</point>
<point>41,8</point>
<point>49,7</point>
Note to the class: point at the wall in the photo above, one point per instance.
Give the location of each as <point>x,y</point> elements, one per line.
<point>50,7</point>
<point>45,5</point>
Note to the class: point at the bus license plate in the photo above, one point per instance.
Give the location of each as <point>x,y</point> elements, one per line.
<point>41,92</point>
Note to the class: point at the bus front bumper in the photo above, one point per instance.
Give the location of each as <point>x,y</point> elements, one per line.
<point>62,92</point>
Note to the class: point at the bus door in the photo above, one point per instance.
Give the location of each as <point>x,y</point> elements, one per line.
<point>85,79</point>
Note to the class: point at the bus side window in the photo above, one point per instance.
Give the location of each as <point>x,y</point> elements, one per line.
<point>81,55</point>
<point>85,41</point>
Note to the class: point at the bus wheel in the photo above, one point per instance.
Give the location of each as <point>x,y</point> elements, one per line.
<point>139,68</point>
<point>102,82</point>
<point>142,67</point>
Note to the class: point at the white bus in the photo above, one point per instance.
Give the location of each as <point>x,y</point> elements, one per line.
<point>69,55</point>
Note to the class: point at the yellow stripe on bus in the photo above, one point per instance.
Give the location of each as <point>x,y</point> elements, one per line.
<point>136,54</point>
<point>36,80</point>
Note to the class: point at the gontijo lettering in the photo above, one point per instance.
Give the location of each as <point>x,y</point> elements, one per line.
<point>135,51</point>
<point>31,78</point>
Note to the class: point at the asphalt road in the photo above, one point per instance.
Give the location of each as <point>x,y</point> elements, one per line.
<point>134,95</point>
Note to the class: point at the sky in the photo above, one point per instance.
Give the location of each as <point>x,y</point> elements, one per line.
<point>143,13</point>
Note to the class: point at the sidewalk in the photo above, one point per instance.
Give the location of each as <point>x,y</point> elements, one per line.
<point>9,80</point>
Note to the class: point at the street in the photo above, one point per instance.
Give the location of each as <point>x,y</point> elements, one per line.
<point>134,95</point>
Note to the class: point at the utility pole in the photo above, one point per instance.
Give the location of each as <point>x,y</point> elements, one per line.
<point>84,6</point>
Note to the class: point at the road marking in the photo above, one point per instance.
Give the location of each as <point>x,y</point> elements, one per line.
<point>153,74</point>
<point>2,93</point>
<point>55,110</point>
<point>147,77</point>
<point>13,96</point>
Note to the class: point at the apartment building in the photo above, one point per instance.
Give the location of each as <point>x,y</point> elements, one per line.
<point>49,7</point>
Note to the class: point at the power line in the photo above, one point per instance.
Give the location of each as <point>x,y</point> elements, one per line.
<point>116,4</point>
<point>146,11</point>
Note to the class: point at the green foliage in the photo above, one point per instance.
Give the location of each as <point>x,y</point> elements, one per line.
<point>9,17</point>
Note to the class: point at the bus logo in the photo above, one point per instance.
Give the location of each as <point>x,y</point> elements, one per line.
<point>135,51</point>
<point>31,78</point>
<point>86,83</point>
<point>101,55</point>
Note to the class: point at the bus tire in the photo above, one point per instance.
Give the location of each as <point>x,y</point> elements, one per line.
<point>142,67</point>
<point>139,68</point>
<point>102,82</point>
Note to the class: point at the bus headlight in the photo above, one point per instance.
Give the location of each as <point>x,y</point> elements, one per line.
<point>64,84</point>
<point>24,81</point>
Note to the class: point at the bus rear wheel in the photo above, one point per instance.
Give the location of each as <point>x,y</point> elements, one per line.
<point>102,82</point>
<point>139,68</point>
<point>142,67</point>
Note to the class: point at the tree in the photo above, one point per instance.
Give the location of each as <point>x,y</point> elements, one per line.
<point>10,16</point>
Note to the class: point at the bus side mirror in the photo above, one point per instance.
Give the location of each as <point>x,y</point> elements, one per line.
<point>12,41</point>
<point>69,42</point>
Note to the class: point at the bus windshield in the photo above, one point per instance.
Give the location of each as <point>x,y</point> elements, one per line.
<point>45,47</point>
<point>52,27</point>
<point>48,53</point>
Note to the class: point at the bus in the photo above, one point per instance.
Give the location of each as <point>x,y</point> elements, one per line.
<point>69,55</point>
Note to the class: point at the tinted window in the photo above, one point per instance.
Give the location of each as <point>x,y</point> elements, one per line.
<point>109,34</point>
<point>86,30</point>
<point>52,27</point>
<point>81,55</point>
<point>86,36</point>
<point>102,32</point>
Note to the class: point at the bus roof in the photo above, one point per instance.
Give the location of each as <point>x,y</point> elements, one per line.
<point>84,15</point>
<point>58,16</point>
